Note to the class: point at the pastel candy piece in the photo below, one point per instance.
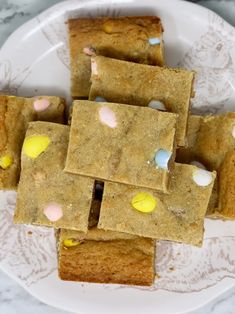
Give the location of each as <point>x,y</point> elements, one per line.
<point>156,104</point>
<point>6,161</point>
<point>94,69</point>
<point>154,41</point>
<point>68,243</point>
<point>233,131</point>
<point>35,145</point>
<point>197,164</point>
<point>108,27</point>
<point>144,202</point>
<point>89,51</point>
<point>162,158</point>
<point>100,99</point>
<point>53,212</point>
<point>41,104</point>
<point>202,177</point>
<point>108,117</point>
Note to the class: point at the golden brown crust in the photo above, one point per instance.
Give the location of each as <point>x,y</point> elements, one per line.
<point>3,133</point>
<point>215,139</point>
<point>122,38</point>
<point>12,130</point>
<point>227,186</point>
<point>214,199</point>
<point>123,261</point>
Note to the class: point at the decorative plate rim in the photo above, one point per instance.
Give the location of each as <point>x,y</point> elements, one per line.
<point>25,25</point>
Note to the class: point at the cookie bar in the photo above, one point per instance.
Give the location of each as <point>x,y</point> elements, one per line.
<point>46,194</point>
<point>121,143</point>
<point>211,142</point>
<point>213,137</point>
<point>135,38</point>
<point>15,113</point>
<point>143,85</point>
<point>177,216</point>
<point>106,257</point>
<point>226,204</point>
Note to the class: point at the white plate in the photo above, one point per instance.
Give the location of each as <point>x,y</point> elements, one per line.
<point>35,60</point>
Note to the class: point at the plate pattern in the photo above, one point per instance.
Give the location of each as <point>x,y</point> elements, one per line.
<point>27,252</point>
<point>213,59</point>
<point>11,79</point>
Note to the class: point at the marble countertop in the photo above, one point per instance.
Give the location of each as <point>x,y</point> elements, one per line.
<point>13,298</point>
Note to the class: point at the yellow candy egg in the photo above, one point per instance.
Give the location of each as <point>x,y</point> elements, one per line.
<point>6,161</point>
<point>108,27</point>
<point>35,145</point>
<point>144,202</point>
<point>68,243</point>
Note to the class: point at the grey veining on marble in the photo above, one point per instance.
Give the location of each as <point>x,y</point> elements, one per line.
<point>225,8</point>
<point>13,13</point>
<point>13,298</point>
<point>225,304</point>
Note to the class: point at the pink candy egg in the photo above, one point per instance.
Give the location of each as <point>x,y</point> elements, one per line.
<point>41,104</point>
<point>53,212</point>
<point>89,51</point>
<point>108,117</point>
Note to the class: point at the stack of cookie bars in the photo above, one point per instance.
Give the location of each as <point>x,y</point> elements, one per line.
<point>133,166</point>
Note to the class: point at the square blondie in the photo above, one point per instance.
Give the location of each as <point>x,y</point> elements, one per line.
<point>144,85</point>
<point>47,195</point>
<point>177,216</point>
<point>121,143</point>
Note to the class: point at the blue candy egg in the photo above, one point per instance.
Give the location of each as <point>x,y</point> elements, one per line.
<point>100,99</point>
<point>162,158</point>
<point>156,104</point>
<point>154,41</point>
